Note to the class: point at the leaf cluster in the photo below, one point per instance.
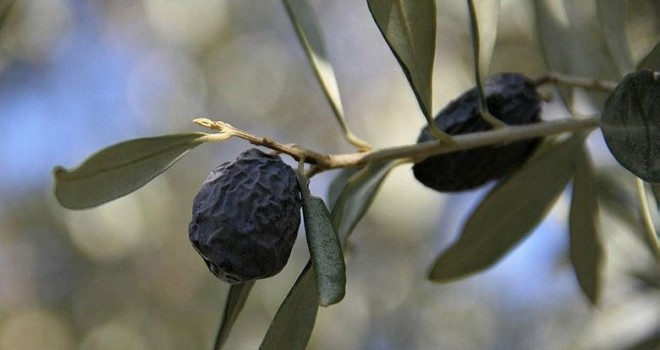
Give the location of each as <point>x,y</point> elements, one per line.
<point>502,220</point>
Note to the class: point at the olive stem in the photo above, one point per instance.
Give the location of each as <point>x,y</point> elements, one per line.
<point>649,229</point>
<point>586,83</point>
<point>424,150</point>
<point>476,51</point>
<point>296,152</point>
<point>411,153</point>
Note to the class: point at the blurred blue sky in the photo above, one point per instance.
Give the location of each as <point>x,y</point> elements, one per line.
<point>59,108</point>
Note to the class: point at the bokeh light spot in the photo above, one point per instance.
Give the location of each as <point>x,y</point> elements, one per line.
<point>192,22</point>
<point>31,330</point>
<point>109,232</point>
<point>36,29</point>
<point>114,336</point>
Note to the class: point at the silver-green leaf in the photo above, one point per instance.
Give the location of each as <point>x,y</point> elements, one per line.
<point>651,60</point>
<point>612,18</point>
<point>656,193</point>
<point>324,247</point>
<point>508,213</point>
<point>294,321</point>
<point>338,183</point>
<point>304,21</point>
<point>409,29</point>
<point>572,41</point>
<point>357,196</point>
<point>120,169</point>
<point>586,251</point>
<point>484,15</point>
<point>488,13</point>
<point>238,294</point>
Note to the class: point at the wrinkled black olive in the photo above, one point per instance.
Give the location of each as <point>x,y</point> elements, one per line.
<point>512,98</point>
<point>246,217</point>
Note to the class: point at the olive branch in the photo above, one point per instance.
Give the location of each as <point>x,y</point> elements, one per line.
<point>411,153</point>
<point>125,167</point>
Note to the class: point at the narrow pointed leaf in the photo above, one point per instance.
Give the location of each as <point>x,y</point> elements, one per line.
<point>324,247</point>
<point>612,18</point>
<point>483,24</point>
<point>409,29</point>
<point>652,59</point>
<point>572,41</point>
<point>508,213</point>
<point>338,183</point>
<point>294,321</point>
<point>357,196</point>
<point>488,13</point>
<point>586,251</point>
<point>120,169</point>
<point>238,294</point>
<point>304,21</point>
<point>553,31</point>
<point>656,194</point>
<point>650,341</point>
<point>617,195</point>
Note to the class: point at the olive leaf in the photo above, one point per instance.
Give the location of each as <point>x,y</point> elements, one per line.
<point>488,13</point>
<point>324,247</point>
<point>631,124</point>
<point>612,18</point>
<point>338,183</point>
<point>295,318</point>
<point>484,15</point>
<point>586,251</point>
<point>304,21</point>
<point>357,196</point>
<point>121,169</point>
<point>616,194</point>
<point>511,210</point>
<point>294,321</point>
<point>409,29</point>
<point>238,294</point>
<point>564,29</point>
<point>656,193</point>
<point>549,28</point>
<point>652,59</point>
<point>648,341</point>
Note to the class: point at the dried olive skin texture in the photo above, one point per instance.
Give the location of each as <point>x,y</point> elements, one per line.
<point>246,217</point>
<point>512,98</point>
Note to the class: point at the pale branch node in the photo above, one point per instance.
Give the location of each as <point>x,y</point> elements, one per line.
<point>438,133</point>
<point>416,152</point>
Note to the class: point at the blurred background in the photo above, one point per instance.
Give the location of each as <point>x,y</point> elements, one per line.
<point>76,76</point>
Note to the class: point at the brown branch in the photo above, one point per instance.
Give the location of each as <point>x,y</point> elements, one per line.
<point>415,152</point>
<point>586,83</point>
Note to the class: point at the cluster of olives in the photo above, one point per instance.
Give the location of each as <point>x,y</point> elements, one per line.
<point>511,98</point>
<point>247,213</point>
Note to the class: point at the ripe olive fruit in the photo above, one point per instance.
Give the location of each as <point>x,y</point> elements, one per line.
<point>511,98</point>
<point>245,217</point>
